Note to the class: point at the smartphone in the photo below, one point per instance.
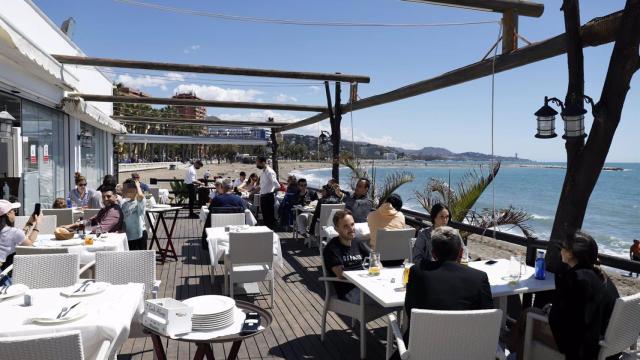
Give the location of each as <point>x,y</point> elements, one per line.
<point>491,262</point>
<point>36,211</point>
<point>251,323</point>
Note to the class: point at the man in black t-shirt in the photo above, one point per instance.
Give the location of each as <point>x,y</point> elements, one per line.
<point>344,252</point>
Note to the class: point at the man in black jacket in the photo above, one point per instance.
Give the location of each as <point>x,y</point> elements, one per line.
<point>445,284</point>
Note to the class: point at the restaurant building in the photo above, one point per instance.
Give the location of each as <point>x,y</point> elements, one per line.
<point>45,139</point>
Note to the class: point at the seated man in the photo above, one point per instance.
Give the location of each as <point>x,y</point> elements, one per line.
<point>388,217</point>
<point>331,194</point>
<point>445,284</point>
<point>109,218</point>
<point>303,198</point>
<point>10,237</point>
<point>239,181</point>
<point>136,177</point>
<point>225,202</point>
<point>358,202</point>
<point>344,252</point>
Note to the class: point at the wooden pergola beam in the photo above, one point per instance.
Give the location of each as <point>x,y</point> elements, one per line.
<point>209,69</point>
<point>204,122</point>
<point>524,8</point>
<point>596,32</point>
<point>195,102</point>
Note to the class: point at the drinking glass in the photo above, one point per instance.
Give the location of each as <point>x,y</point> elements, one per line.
<point>515,268</point>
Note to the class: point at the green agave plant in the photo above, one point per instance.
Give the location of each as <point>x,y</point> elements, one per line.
<point>179,189</point>
<point>461,200</point>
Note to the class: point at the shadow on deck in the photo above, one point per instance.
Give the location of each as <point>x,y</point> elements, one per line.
<point>295,331</point>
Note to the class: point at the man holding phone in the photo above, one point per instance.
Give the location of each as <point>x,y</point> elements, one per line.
<point>10,237</point>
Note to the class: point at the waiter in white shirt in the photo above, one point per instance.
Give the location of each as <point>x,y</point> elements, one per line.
<point>191,180</point>
<point>268,186</point>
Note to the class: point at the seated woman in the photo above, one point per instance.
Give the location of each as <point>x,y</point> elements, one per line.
<point>250,185</point>
<point>582,305</point>
<point>10,237</point>
<point>440,216</point>
<point>388,216</point>
<point>82,196</point>
<point>59,203</point>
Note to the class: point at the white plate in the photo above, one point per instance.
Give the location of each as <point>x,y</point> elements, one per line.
<point>161,206</point>
<point>48,317</point>
<point>91,289</point>
<point>210,304</point>
<point>234,326</point>
<point>14,290</point>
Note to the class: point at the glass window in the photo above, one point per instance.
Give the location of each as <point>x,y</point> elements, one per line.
<point>92,154</point>
<point>43,154</point>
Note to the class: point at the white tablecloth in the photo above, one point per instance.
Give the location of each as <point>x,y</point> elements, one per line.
<point>109,316</point>
<point>362,231</point>
<point>218,241</point>
<point>108,242</point>
<point>249,219</point>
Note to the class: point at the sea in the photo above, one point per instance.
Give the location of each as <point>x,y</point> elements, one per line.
<point>613,213</point>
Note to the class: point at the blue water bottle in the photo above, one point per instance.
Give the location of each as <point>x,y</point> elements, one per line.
<point>540,274</point>
<point>68,202</point>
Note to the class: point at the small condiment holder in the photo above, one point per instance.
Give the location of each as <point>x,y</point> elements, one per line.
<point>167,316</point>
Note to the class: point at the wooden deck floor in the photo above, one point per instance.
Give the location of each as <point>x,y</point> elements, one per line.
<point>295,331</point>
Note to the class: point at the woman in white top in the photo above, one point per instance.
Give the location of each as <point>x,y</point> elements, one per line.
<point>10,237</point>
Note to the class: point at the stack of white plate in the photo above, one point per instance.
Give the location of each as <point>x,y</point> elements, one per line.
<point>211,312</point>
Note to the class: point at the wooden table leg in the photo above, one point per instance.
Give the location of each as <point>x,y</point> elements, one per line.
<point>158,348</point>
<point>235,348</point>
<point>169,247</point>
<point>154,233</point>
<point>203,350</point>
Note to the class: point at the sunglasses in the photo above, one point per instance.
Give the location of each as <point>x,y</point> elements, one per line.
<point>82,184</point>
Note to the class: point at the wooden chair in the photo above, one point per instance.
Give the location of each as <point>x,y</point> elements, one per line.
<point>65,216</point>
<point>621,334</point>
<point>250,259</point>
<point>394,244</point>
<point>440,335</point>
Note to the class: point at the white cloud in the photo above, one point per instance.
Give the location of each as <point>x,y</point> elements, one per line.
<point>314,88</point>
<point>210,92</point>
<point>345,131</point>
<point>284,98</point>
<point>149,81</point>
<point>261,116</point>
<point>191,49</point>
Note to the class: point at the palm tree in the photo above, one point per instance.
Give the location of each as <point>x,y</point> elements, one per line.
<point>460,201</point>
<point>378,194</point>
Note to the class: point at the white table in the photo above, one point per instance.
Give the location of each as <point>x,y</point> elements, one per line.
<point>249,219</point>
<point>109,316</point>
<point>362,232</point>
<point>389,295</point>
<point>108,242</point>
<point>218,242</point>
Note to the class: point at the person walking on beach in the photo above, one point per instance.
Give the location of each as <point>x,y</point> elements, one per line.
<point>634,254</point>
<point>191,180</point>
<point>268,185</point>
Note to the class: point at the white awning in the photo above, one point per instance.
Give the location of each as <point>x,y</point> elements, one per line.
<point>91,115</point>
<point>174,139</point>
<point>19,49</point>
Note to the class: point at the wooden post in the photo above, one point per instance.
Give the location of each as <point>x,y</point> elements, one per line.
<point>274,151</point>
<point>509,31</point>
<point>335,135</point>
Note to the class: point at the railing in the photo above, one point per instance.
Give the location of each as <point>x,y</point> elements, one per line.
<point>127,167</point>
<point>416,218</point>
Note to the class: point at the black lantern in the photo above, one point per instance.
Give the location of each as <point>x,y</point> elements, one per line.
<point>6,123</point>
<point>86,139</point>
<point>325,137</point>
<point>546,117</point>
<point>573,116</point>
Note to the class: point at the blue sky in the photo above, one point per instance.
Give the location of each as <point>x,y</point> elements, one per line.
<point>457,118</point>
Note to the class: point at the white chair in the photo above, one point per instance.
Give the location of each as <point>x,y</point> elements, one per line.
<point>65,216</point>
<point>123,267</point>
<point>47,226</point>
<point>220,220</point>
<point>250,259</point>
<point>394,244</point>
<point>47,271</point>
<point>89,213</point>
<point>622,331</point>
<point>343,307</point>
<point>155,192</point>
<point>63,345</point>
<point>325,217</point>
<point>256,205</point>
<point>437,334</point>
<point>32,250</point>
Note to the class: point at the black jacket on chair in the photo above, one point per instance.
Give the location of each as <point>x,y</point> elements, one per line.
<point>447,285</point>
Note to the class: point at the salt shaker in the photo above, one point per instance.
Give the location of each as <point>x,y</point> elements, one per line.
<point>27,299</point>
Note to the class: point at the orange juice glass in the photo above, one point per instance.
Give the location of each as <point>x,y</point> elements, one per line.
<point>88,239</point>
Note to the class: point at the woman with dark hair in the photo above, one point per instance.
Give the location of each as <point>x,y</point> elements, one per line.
<point>109,181</point>
<point>582,305</point>
<point>440,216</point>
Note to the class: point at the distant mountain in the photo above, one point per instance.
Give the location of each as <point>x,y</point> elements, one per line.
<point>373,151</point>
